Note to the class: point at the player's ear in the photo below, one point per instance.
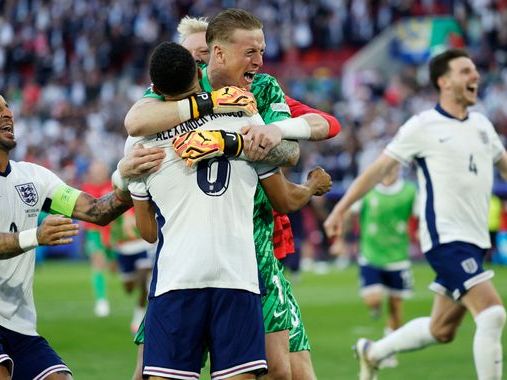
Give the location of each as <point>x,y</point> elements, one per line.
<point>442,82</point>
<point>218,52</point>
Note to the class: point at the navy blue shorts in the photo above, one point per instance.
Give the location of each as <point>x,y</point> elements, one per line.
<point>397,282</point>
<point>129,264</point>
<point>181,324</point>
<point>28,357</point>
<point>458,266</point>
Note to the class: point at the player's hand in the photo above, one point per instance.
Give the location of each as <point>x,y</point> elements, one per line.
<point>233,99</point>
<point>259,140</point>
<point>201,145</point>
<point>333,225</point>
<point>320,181</point>
<point>225,100</point>
<point>56,230</point>
<point>141,161</point>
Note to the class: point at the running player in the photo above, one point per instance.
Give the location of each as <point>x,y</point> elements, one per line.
<point>454,149</point>
<point>25,190</point>
<point>384,262</point>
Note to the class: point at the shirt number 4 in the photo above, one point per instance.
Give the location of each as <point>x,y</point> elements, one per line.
<point>472,166</point>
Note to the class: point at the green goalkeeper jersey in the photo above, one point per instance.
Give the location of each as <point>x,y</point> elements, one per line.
<point>272,107</point>
<point>383,217</point>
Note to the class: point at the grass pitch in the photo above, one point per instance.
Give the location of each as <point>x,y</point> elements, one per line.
<point>102,349</point>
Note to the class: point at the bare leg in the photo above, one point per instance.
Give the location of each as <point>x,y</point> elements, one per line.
<point>277,352</point>
<point>4,372</point>
<point>373,300</point>
<point>301,366</point>
<point>138,372</point>
<point>395,309</point>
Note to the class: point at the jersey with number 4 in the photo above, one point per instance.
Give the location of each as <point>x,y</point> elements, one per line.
<point>454,159</point>
<point>204,213</point>
<point>23,189</point>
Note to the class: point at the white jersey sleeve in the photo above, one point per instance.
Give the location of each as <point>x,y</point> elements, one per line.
<point>406,144</point>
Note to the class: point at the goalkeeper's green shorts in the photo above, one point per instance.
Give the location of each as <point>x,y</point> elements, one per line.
<point>298,338</point>
<point>139,337</point>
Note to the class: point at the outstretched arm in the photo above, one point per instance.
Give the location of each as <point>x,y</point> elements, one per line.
<point>307,123</point>
<point>101,210</point>
<point>152,114</point>
<point>286,196</point>
<point>366,181</point>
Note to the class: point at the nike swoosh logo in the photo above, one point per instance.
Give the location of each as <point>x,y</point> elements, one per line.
<point>278,314</point>
<point>293,335</point>
<point>444,139</point>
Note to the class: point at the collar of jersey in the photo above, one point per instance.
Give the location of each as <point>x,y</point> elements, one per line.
<point>205,83</point>
<point>443,112</point>
<point>7,170</point>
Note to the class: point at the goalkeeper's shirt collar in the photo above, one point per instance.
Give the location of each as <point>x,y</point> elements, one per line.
<point>205,83</point>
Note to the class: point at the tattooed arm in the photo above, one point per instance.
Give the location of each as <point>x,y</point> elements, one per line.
<point>101,210</point>
<point>284,154</point>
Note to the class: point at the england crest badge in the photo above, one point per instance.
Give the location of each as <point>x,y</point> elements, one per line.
<point>28,193</point>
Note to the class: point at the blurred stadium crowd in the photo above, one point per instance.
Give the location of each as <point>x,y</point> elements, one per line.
<point>71,69</point>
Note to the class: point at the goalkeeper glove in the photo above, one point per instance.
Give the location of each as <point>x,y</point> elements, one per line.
<point>201,144</point>
<point>225,100</point>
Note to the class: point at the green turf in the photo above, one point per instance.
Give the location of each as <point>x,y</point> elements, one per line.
<point>103,349</point>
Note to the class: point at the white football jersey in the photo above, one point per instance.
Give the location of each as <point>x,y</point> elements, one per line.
<point>204,214</point>
<point>454,168</point>
<point>23,189</point>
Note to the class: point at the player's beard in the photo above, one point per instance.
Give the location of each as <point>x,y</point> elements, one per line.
<point>7,145</point>
<point>463,98</point>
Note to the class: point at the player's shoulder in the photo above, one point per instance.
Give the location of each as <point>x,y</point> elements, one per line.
<point>30,172</point>
<point>478,118</point>
<point>29,167</point>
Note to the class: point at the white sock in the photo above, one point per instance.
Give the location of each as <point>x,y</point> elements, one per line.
<point>413,335</point>
<point>488,343</point>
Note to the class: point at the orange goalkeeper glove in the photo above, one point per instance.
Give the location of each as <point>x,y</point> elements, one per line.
<point>202,144</point>
<point>225,100</point>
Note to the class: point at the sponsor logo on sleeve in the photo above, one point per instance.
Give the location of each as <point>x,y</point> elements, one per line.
<point>280,107</point>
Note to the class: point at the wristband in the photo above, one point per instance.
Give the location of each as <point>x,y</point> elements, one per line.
<point>294,129</point>
<point>119,181</point>
<point>200,104</point>
<point>184,109</point>
<point>28,239</point>
<point>233,143</point>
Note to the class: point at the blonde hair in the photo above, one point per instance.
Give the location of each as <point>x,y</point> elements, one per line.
<point>190,25</point>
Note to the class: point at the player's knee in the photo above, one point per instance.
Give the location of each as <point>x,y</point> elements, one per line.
<point>279,371</point>
<point>493,317</point>
<point>443,334</point>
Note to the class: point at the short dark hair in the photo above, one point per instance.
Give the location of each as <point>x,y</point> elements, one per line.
<point>221,26</point>
<point>172,69</point>
<point>439,64</point>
